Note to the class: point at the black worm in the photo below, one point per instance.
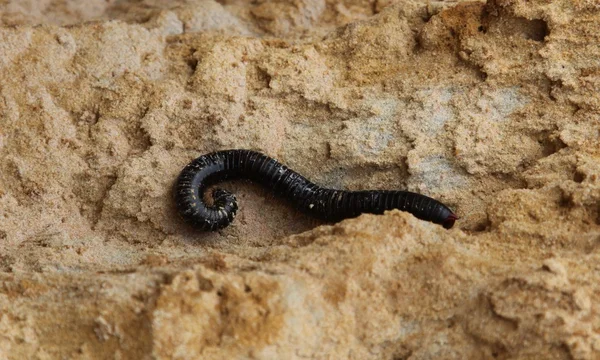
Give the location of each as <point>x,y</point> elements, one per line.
<point>327,204</point>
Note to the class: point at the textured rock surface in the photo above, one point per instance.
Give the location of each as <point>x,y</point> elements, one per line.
<point>492,108</point>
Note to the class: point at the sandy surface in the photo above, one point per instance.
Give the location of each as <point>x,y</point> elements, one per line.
<point>491,108</point>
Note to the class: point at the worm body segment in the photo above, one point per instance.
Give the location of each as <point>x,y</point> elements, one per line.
<point>323,203</point>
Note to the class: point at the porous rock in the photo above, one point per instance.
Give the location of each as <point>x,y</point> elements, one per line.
<point>492,108</point>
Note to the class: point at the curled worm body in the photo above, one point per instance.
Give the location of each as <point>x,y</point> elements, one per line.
<point>327,204</point>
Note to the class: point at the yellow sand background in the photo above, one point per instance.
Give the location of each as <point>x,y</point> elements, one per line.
<point>492,108</point>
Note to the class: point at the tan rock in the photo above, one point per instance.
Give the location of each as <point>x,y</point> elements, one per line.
<point>493,108</point>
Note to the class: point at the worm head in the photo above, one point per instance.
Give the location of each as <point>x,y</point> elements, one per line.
<point>449,221</point>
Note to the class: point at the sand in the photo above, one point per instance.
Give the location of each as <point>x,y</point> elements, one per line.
<point>492,108</point>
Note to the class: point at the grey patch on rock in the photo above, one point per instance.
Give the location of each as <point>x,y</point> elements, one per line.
<point>501,103</point>
<point>436,110</point>
<point>368,138</point>
<point>435,173</point>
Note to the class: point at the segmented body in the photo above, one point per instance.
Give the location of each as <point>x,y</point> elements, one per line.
<point>327,204</point>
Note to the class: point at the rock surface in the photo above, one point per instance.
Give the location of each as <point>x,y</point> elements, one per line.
<point>493,108</point>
